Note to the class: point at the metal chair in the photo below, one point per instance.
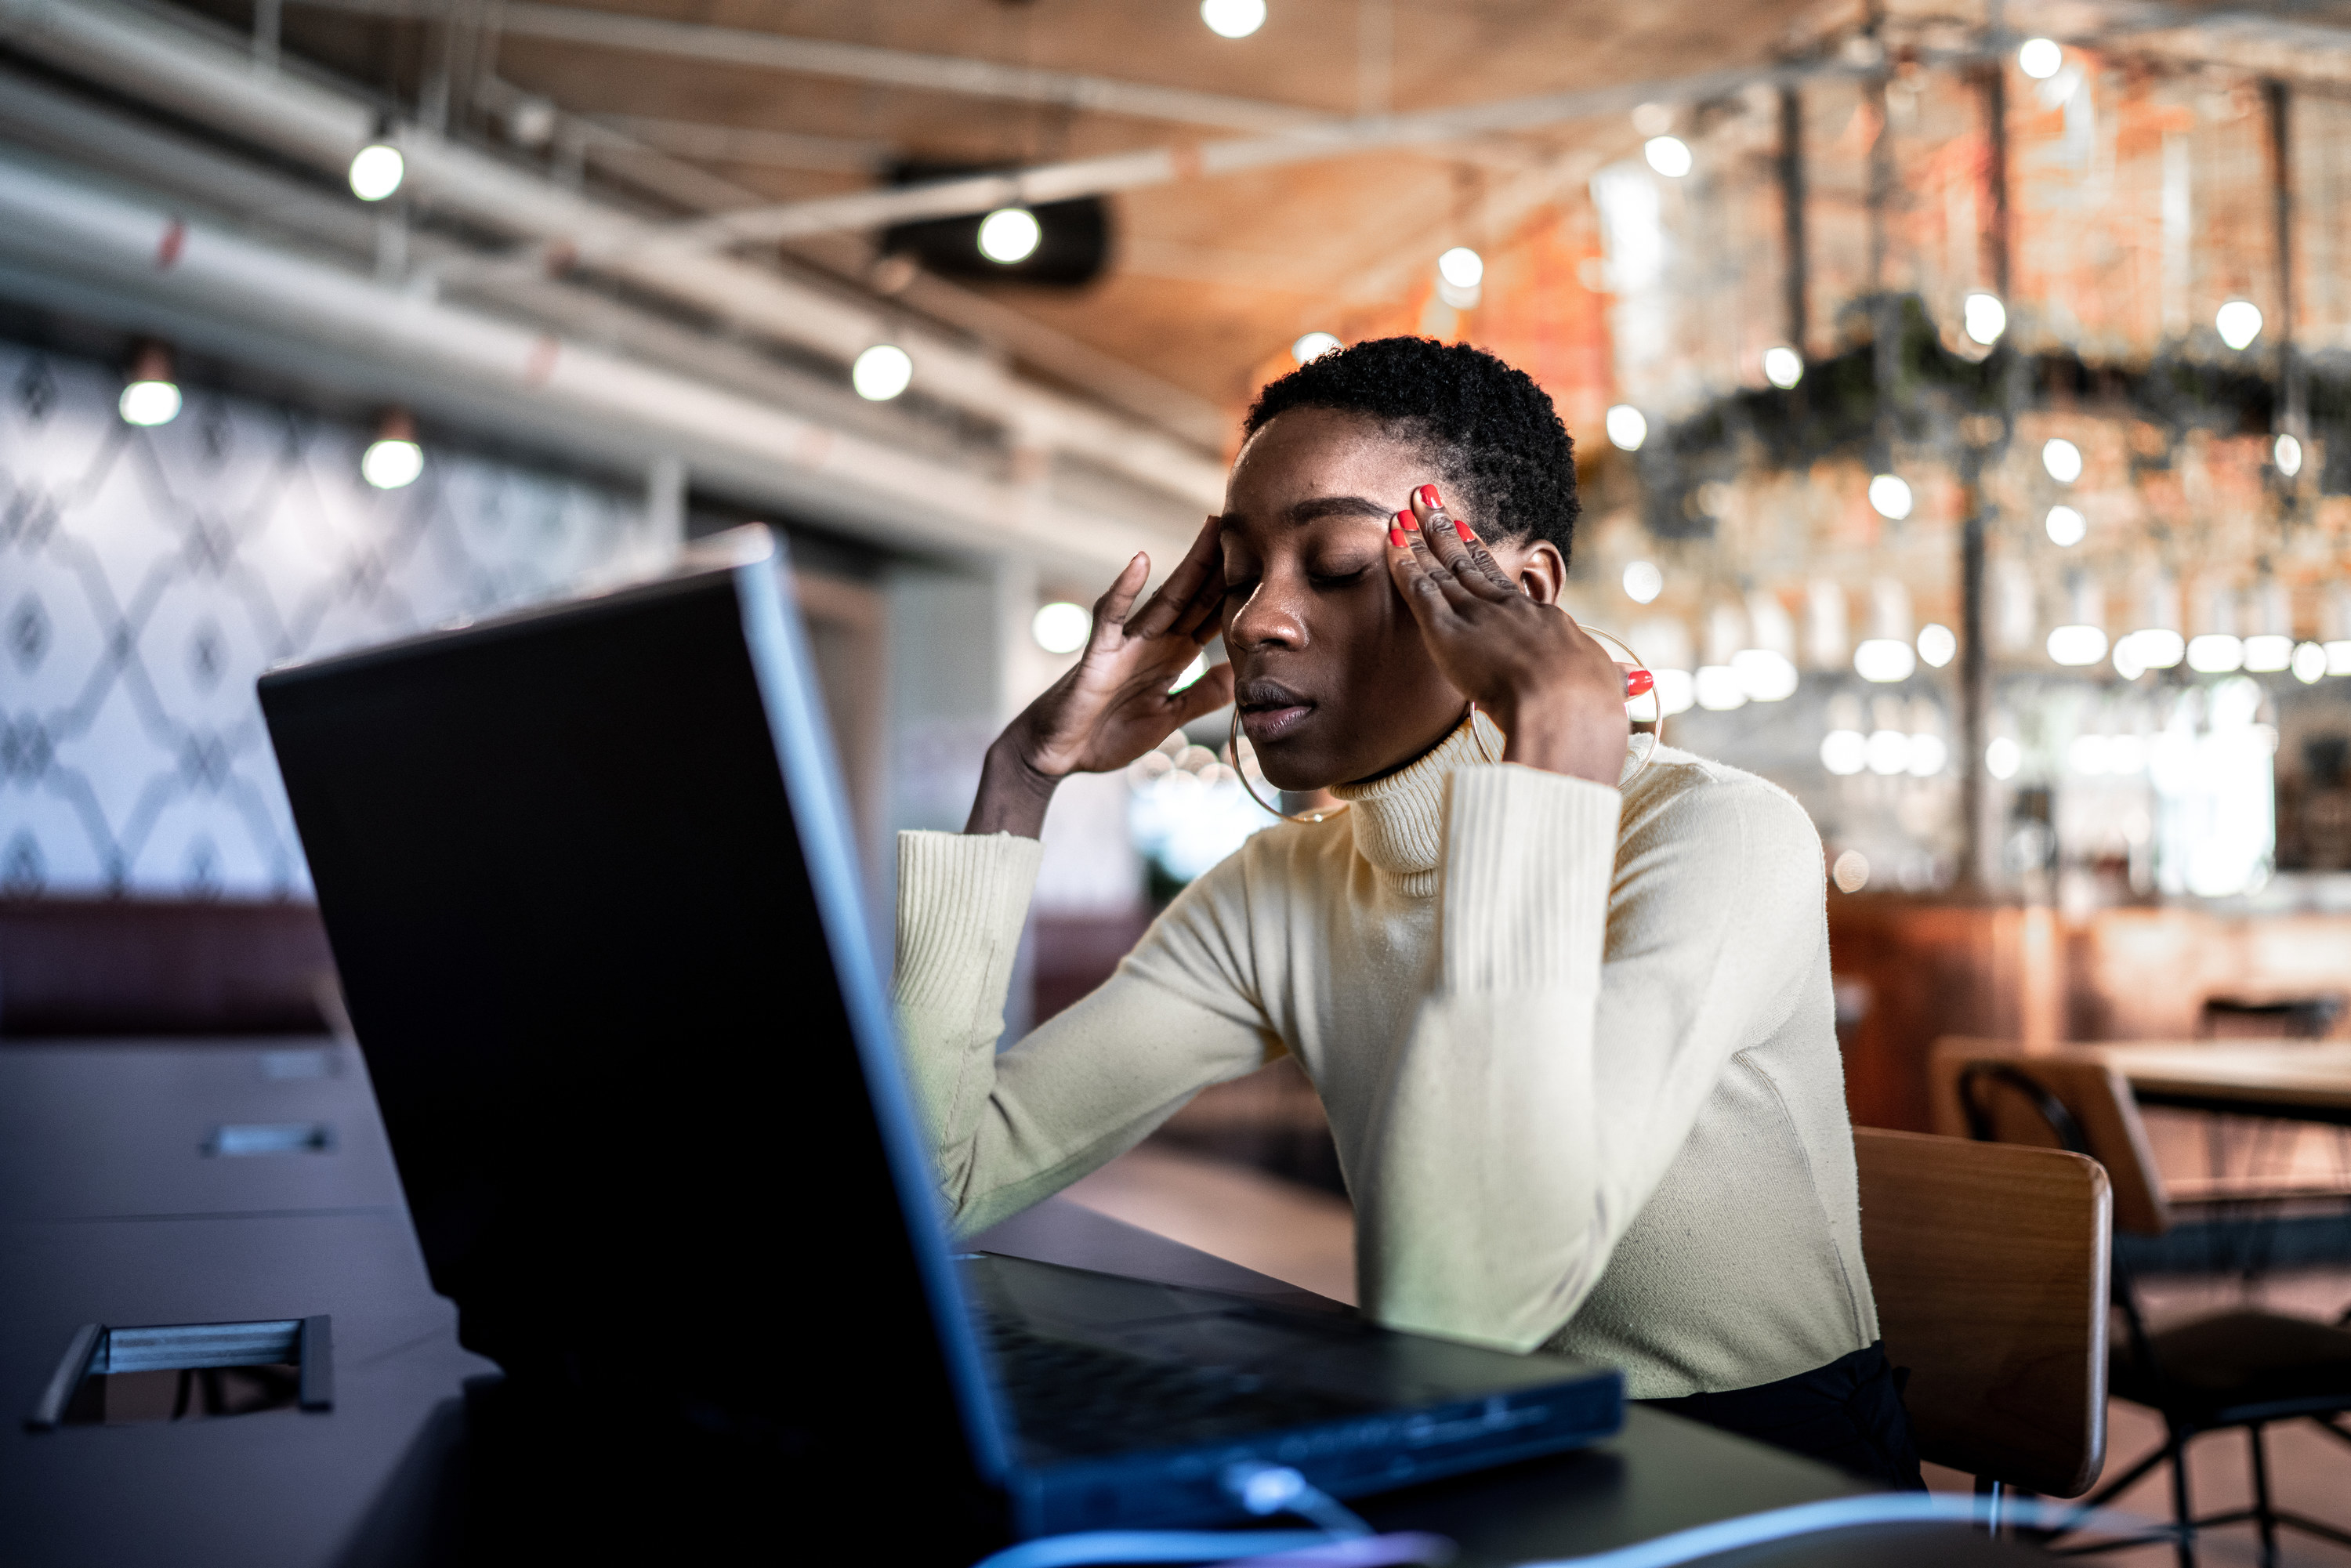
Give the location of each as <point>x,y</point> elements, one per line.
<point>1989,1262</point>
<point>2244,1369</point>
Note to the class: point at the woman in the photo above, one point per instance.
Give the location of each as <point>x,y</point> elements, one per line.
<point>1576,1044</point>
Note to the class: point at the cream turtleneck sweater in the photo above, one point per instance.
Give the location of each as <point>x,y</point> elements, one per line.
<point>1582,1074</point>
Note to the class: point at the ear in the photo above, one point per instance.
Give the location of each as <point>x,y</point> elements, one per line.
<point>1541,571</point>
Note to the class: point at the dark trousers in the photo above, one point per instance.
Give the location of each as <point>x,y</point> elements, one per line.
<point>1848,1413</point>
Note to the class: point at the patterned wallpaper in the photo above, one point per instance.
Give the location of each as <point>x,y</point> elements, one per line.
<point>148,575</point>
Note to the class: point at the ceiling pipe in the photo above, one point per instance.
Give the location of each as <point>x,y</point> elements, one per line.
<point>274,208</point>
<point>184,71</point>
<point>499,374</point>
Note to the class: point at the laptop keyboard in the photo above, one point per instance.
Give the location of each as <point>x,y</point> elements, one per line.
<point>1083,1397</point>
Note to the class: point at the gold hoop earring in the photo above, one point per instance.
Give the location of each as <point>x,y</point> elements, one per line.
<point>1656,735</point>
<point>1233,745</point>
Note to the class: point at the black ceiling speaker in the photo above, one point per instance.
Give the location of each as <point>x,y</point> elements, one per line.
<point>1073,242</point>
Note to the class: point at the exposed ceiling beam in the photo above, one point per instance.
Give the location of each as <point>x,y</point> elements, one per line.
<point>708,143</point>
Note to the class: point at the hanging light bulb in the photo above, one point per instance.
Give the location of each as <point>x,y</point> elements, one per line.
<point>2041,58</point>
<point>1313,346</point>
<point>1782,366</point>
<point>1642,581</point>
<point>2067,526</point>
<point>1628,428</point>
<point>1890,494</point>
<point>881,373</point>
<point>1233,18</point>
<point>1459,273</point>
<point>377,170</point>
<point>2061,458</point>
<point>393,460</point>
<point>1668,155</point>
<point>2239,322</point>
<point>1984,317</point>
<point>2287,451</point>
<point>1061,627</point>
<point>1010,236</point>
<point>150,396</point>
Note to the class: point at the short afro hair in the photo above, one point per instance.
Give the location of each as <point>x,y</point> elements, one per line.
<point>1492,434</point>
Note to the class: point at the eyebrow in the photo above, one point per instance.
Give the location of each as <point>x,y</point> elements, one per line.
<point>1315,508</point>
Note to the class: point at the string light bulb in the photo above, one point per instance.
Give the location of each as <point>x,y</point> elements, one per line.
<point>1782,366</point>
<point>2041,58</point>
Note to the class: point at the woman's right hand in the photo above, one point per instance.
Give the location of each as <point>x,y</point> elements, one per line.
<point>1114,705</point>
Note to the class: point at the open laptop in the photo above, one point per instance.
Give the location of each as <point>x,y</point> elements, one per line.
<point>587,874</point>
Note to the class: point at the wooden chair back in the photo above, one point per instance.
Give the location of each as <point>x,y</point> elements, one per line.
<point>1990,1266</point>
<point>2096,1096</point>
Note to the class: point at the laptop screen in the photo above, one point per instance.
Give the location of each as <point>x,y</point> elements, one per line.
<point>585,871</point>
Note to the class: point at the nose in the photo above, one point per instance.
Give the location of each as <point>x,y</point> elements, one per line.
<point>1269,618</point>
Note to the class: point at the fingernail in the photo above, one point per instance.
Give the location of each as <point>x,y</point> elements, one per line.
<point>1408,522</point>
<point>1637,683</point>
<point>1428,498</point>
<point>1463,530</point>
<point>1395,536</point>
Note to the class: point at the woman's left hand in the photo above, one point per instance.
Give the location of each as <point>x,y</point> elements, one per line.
<point>1555,691</point>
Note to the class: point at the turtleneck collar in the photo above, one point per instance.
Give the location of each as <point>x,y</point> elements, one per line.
<point>1399,821</point>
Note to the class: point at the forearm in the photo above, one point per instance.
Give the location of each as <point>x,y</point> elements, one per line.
<point>1013,795</point>
<point>1009,1127</point>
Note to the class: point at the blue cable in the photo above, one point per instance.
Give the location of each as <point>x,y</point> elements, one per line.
<point>1838,1513</point>
<point>1152,1546</point>
<point>1103,1546</point>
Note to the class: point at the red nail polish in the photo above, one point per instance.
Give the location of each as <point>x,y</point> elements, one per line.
<point>1463,530</point>
<point>1428,498</point>
<point>1639,683</point>
<point>1395,536</point>
<point>1408,522</point>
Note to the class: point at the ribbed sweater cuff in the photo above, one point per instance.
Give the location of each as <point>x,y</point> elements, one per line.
<point>962,900</point>
<point>1529,858</point>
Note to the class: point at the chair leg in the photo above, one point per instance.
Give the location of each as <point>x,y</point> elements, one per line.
<point>2180,1511</point>
<point>2264,1517</point>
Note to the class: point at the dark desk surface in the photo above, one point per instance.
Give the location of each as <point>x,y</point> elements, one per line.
<point>110,1212</point>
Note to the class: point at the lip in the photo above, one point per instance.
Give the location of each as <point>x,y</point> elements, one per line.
<point>1269,710</point>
